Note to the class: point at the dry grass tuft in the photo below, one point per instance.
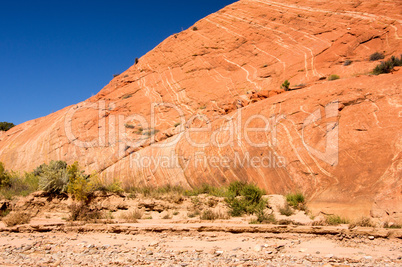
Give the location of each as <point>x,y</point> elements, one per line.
<point>132,216</point>
<point>362,222</point>
<point>286,210</point>
<point>213,215</point>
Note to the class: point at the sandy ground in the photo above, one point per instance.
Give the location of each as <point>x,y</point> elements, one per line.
<point>51,240</point>
<point>195,249</point>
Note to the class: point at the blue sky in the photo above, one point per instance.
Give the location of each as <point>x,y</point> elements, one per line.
<point>56,53</point>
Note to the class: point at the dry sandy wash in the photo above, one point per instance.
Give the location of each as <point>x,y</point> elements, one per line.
<point>194,249</point>
<point>178,240</point>
<point>340,141</point>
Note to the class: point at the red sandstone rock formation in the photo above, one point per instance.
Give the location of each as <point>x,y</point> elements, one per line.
<point>339,142</point>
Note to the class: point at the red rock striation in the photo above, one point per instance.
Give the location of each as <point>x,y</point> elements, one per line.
<point>339,142</point>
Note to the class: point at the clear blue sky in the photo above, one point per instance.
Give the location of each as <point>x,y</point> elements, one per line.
<point>57,53</point>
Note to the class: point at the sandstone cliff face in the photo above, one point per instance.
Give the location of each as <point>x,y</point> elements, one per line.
<point>339,141</point>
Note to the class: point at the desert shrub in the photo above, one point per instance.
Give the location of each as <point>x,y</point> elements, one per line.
<point>4,176</point>
<point>333,77</point>
<point>376,56</point>
<point>116,75</point>
<point>20,185</point>
<point>296,200</point>
<point>136,60</point>
<point>30,184</point>
<point>132,216</point>
<point>335,220</point>
<point>39,170</point>
<point>286,210</point>
<point>99,185</point>
<point>246,201</point>
<point>195,28</point>
<point>15,218</point>
<point>235,188</point>
<point>347,62</point>
<point>387,66</point>
<point>5,126</point>
<point>264,218</point>
<point>362,222</point>
<point>213,215</point>
<point>81,212</point>
<point>285,85</point>
<point>54,177</point>
<point>208,215</point>
<point>79,185</point>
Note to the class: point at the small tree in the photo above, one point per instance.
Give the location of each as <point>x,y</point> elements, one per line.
<point>79,185</point>
<point>285,85</point>
<point>5,126</point>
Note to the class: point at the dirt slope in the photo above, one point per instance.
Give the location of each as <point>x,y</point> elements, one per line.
<point>344,156</point>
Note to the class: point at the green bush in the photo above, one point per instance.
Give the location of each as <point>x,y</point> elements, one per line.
<point>387,66</point>
<point>333,77</point>
<point>235,188</point>
<point>13,184</point>
<point>4,176</point>
<point>376,56</point>
<point>245,199</point>
<point>296,200</point>
<point>285,85</point>
<point>54,177</point>
<point>20,185</point>
<point>5,126</point>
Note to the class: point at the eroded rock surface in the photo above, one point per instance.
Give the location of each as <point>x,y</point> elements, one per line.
<point>345,156</point>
